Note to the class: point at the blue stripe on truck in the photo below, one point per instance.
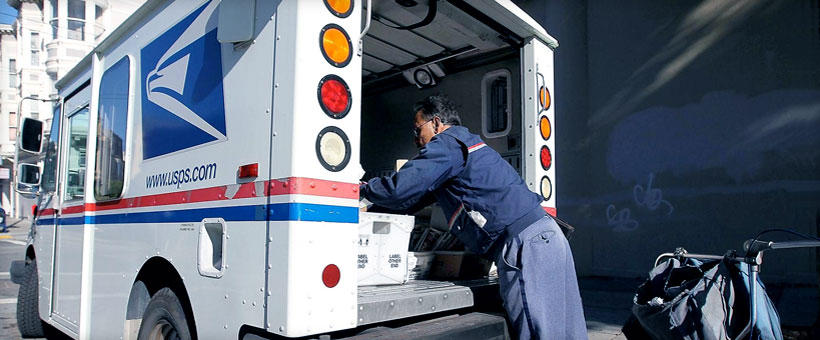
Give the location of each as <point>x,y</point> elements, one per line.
<point>272,212</point>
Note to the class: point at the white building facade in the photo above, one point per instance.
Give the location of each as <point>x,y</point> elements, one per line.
<point>48,38</point>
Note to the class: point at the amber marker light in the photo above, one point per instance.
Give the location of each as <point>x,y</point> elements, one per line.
<point>546,128</point>
<point>335,45</point>
<point>544,98</point>
<point>340,8</point>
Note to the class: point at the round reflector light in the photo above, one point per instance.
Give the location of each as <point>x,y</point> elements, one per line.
<point>335,45</point>
<point>546,187</point>
<point>340,8</point>
<point>333,148</point>
<point>546,157</point>
<point>334,96</point>
<point>546,128</point>
<point>331,276</point>
<point>544,98</point>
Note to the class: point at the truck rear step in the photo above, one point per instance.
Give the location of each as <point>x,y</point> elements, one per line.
<point>416,297</point>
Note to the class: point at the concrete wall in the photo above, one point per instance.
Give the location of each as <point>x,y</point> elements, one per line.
<point>686,123</point>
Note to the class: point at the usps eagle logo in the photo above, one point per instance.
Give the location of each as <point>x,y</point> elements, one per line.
<point>182,98</point>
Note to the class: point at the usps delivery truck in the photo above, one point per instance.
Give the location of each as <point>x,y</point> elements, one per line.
<point>200,177</point>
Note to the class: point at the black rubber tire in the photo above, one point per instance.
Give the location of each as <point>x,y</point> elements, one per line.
<point>164,318</point>
<point>28,304</point>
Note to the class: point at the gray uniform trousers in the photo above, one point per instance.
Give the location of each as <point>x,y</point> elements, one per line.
<point>536,274</point>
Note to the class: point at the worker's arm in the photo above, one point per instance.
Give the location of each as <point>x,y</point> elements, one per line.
<point>413,185</point>
<point>426,200</point>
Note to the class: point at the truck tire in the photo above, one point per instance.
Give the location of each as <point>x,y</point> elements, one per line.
<point>164,318</point>
<point>28,304</point>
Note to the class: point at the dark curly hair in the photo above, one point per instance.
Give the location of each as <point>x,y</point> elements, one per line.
<point>440,106</point>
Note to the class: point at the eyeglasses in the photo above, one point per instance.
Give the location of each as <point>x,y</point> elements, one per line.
<point>417,129</point>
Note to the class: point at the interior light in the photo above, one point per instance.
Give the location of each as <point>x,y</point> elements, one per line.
<point>334,96</point>
<point>335,45</point>
<point>423,77</point>
<point>333,148</point>
<point>340,8</point>
<point>546,187</point>
<point>546,158</point>
<point>546,129</point>
<point>544,98</point>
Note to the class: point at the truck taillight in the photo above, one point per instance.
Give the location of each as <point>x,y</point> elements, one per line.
<point>334,96</point>
<point>546,157</point>
<point>333,148</point>
<point>248,171</point>
<point>546,187</point>
<point>331,276</point>
<point>335,45</point>
<point>340,8</point>
<point>546,128</point>
<point>544,98</point>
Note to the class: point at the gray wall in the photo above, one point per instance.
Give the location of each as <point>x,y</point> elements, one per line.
<point>685,123</point>
<point>387,118</point>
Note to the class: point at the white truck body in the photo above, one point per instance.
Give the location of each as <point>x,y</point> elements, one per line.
<point>199,116</point>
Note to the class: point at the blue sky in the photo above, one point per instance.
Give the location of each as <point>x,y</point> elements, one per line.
<point>7,13</point>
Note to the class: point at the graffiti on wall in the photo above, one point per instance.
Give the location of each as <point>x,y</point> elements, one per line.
<point>645,197</point>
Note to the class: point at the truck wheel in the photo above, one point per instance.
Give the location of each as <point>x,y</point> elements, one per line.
<point>164,318</point>
<point>28,306</point>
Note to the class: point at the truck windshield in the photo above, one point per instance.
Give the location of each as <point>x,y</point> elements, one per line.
<point>49,182</point>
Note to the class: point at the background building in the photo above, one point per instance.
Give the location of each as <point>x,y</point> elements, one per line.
<point>44,43</point>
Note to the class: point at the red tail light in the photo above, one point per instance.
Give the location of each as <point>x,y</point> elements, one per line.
<point>249,170</point>
<point>334,96</point>
<point>546,157</point>
<point>331,276</point>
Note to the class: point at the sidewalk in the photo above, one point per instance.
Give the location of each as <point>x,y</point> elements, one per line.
<point>16,224</point>
<point>608,303</point>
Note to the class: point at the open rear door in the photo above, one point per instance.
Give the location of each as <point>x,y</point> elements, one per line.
<point>537,74</point>
<point>539,120</point>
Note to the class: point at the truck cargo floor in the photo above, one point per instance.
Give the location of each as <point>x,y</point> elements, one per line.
<point>416,297</point>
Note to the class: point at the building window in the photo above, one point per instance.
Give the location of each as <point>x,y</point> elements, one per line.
<point>13,133</point>
<point>12,73</point>
<point>35,41</point>
<point>13,119</point>
<point>53,20</point>
<point>35,49</point>
<point>76,19</point>
<point>109,174</point>
<point>496,103</point>
<point>34,107</point>
<point>34,103</point>
<point>99,28</point>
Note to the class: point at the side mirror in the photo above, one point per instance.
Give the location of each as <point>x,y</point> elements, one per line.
<point>236,21</point>
<point>31,136</point>
<point>28,178</point>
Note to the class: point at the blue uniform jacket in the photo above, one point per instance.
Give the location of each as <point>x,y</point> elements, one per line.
<point>480,193</point>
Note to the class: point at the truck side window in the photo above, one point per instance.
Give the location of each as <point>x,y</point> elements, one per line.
<point>77,137</point>
<point>496,103</point>
<point>109,173</point>
<point>49,180</point>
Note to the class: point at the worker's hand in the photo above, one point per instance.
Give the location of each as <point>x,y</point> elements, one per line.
<point>364,204</point>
